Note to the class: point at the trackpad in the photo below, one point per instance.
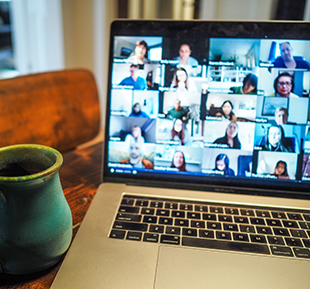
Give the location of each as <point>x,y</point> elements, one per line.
<point>194,268</point>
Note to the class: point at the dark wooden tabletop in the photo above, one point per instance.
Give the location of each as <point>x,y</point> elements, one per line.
<point>80,176</point>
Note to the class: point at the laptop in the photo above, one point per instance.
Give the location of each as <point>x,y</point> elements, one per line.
<point>206,169</point>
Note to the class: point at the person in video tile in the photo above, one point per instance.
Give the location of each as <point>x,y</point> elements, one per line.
<point>231,137</point>
<point>137,112</point>
<point>274,140</point>
<point>222,164</point>
<point>177,112</point>
<point>284,85</point>
<point>182,82</point>
<point>227,111</point>
<point>249,85</point>
<point>138,82</point>
<point>138,57</point>
<point>178,161</point>
<point>135,136</point>
<point>280,116</point>
<point>287,60</point>
<point>184,56</point>
<point>135,157</point>
<point>180,133</point>
<point>280,171</point>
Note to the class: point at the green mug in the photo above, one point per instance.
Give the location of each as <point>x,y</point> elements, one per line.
<point>35,218</point>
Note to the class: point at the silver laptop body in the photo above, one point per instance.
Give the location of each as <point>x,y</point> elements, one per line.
<point>205,170</point>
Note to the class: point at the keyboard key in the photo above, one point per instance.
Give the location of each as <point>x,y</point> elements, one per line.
<point>298,233</point>
<point>290,224</point>
<point>281,251</point>
<point>160,212</point>
<point>247,212</point>
<point>191,215</point>
<point>275,240</point>
<point>199,208</point>
<point>230,227</point>
<point>209,217</point>
<point>217,210</point>
<point>247,229</point>
<point>294,216</point>
<point>274,223</point>
<point>173,230</point>
<point>128,217</point>
<point>302,253</point>
<point>156,204</point>
<point>165,221</point>
<point>232,211</point>
<point>181,222</point>
<point>152,238</point>
<point>241,237</point>
<point>189,232</point>
<point>186,207</point>
<point>206,234</point>
<point>281,232</point>
<point>156,228</point>
<point>214,226</point>
<point>306,242</point>
<point>197,224</point>
<point>130,226</point>
<point>306,217</point>
<point>304,225</point>
<point>225,245</point>
<point>258,238</point>
<point>178,214</point>
<point>263,214</point>
<point>223,235</point>
<point>134,236</point>
<point>169,239</point>
<point>264,230</point>
<point>278,215</point>
<point>225,218</point>
<point>142,203</point>
<point>127,209</point>
<point>147,211</point>
<point>127,201</point>
<point>241,220</point>
<point>257,221</point>
<point>293,242</point>
<point>117,234</point>
<point>150,219</point>
<point>173,206</point>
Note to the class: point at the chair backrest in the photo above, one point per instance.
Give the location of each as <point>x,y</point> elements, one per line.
<point>59,109</point>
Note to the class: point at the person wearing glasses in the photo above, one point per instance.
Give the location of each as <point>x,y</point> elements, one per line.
<point>284,85</point>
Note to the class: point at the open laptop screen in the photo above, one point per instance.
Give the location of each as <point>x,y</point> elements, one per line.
<point>222,103</point>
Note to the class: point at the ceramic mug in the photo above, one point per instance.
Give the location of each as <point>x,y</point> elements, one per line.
<point>35,218</point>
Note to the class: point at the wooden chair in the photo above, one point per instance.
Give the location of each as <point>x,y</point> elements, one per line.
<point>58,109</point>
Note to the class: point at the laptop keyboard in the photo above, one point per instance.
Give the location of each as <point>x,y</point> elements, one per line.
<point>262,230</point>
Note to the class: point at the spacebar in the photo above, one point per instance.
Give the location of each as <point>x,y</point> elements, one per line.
<point>225,245</point>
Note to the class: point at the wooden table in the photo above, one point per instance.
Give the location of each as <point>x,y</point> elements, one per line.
<point>80,176</point>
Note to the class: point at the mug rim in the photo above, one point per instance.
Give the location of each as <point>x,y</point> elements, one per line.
<point>50,170</point>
